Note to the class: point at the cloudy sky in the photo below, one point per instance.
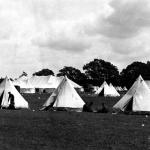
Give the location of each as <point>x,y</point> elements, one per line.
<point>36,34</point>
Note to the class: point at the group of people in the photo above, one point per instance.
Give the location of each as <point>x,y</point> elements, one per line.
<point>88,108</point>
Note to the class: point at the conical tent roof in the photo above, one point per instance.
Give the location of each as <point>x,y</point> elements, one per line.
<point>22,78</point>
<point>23,84</point>
<point>114,91</point>
<point>7,86</point>
<point>55,81</point>
<point>120,88</point>
<point>26,84</point>
<point>49,81</point>
<point>100,88</point>
<point>40,81</point>
<point>75,85</point>
<point>124,88</point>
<point>138,95</point>
<point>65,96</point>
<point>105,90</point>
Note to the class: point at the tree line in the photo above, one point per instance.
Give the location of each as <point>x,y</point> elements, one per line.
<point>98,70</point>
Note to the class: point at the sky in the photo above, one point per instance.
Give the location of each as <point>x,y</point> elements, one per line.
<point>37,34</point>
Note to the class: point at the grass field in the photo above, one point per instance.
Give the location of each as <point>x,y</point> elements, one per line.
<point>28,130</point>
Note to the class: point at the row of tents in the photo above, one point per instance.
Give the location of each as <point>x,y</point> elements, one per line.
<point>40,84</point>
<point>117,88</point>
<point>107,90</point>
<point>137,97</point>
<point>64,96</point>
<point>49,83</point>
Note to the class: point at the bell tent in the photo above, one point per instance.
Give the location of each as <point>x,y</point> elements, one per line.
<point>105,90</point>
<point>64,96</point>
<point>136,99</point>
<point>25,86</point>
<point>49,83</point>
<point>114,91</point>
<point>7,86</point>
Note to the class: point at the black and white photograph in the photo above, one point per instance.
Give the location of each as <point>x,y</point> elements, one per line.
<point>74,74</point>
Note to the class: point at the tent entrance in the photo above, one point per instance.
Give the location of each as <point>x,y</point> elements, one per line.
<point>101,93</point>
<point>1,97</point>
<point>129,105</point>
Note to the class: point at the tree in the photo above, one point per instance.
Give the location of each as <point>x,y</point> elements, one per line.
<point>99,70</point>
<point>147,77</point>
<point>23,74</point>
<point>43,72</point>
<point>74,74</point>
<point>132,71</point>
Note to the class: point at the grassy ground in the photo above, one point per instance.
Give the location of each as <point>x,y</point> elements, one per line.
<point>25,130</point>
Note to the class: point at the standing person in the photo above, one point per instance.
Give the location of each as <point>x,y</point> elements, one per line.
<point>11,100</point>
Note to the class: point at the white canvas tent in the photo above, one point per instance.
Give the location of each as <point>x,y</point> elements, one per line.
<point>7,86</point>
<point>42,84</point>
<point>55,81</point>
<point>49,83</point>
<point>22,78</point>
<point>25,86</point>
<point>114,91</point>
<point>40,81</point>
<point>105,90</point>
<point>119,88</point>
<point>148,83</point>
<point>64,96</point>
<point>136,99</point>
<point>124,88</point>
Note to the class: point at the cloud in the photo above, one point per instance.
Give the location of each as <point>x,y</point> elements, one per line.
<point>17,28</point>
<point>124,31</point>
<point>37,34</point>
<point>68,44</point>
<point>32,30</point>
<point>126,20</point>
<point>67,40</point>
<point>125,51</point>
<point>127,28</point>
<point>13,60</point>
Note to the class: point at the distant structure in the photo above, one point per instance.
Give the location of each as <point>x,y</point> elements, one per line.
<point>106,90</point>
<point>41,84</point>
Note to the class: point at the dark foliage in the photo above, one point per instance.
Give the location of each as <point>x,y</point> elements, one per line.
<point>43,72</point>
<point>23,74</point>
<point>74,74</point>
<point>99,70</point>
<point>132,71</point>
